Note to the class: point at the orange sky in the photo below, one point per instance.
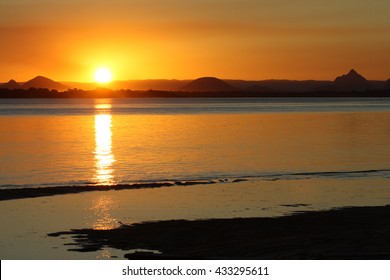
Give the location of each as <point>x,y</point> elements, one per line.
<point>67,40</point>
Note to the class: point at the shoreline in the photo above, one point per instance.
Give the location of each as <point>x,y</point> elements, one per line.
<point>343,233</point>
<point>32,192</point>
<point>30,220</point>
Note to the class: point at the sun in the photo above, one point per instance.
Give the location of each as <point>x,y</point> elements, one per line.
<point>103,75</point>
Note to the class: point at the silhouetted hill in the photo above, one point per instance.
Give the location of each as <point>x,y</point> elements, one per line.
<point>207,84</point>
<point>11,84</point>
<point>351,81</point>
<point>43,82</point>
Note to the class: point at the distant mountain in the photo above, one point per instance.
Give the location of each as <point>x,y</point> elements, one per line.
<point>173,85</point>
<point>11,84</point>
<point>207,84</point>
<point>43,82</point>
<point>351,81</point>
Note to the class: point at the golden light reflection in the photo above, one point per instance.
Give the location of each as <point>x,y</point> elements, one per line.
<point>105,254</point>
<point>104,157</point>
<point>102,210</point>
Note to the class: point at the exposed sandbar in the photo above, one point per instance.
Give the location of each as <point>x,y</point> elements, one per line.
<point>348,233</point>
<point>18,193</point>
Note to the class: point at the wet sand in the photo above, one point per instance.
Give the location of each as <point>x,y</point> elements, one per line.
<point>347,233</point>
<point>28,221</point>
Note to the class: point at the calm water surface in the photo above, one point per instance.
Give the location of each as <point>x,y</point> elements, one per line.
<point>297,154</point>
<point>55,142</point>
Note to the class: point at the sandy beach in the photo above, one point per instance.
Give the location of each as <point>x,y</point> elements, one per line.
<point>349,233</point>
<point>242,220</point>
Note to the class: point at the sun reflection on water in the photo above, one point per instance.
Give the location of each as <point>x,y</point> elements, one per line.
<point>103,205</point>
<point>102,208</point>
<point>104,157</point>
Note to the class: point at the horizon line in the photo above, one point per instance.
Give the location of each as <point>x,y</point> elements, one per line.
<point>113,82</point>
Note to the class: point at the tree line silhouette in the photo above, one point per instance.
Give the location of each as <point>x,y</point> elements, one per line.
<point>127,93</point>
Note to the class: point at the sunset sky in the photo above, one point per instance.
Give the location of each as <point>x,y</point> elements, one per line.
<point>67,40</point>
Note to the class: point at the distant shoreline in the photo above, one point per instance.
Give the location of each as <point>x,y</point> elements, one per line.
<point>127,93</point>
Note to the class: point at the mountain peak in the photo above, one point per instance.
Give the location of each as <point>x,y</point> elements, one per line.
<point>11,84</point>
<point>353,72</point>
<point>43,82</point>
<point>207,84</point>
<point>351,81</point>
<point>41,78</point>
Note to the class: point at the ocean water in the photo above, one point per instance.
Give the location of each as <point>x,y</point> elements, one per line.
<point>56,142</point>
<point>293,154</point>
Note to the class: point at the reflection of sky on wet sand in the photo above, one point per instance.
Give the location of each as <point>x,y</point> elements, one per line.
<point>101,211</point>
<point>26,230</point>
<point>104,157</point>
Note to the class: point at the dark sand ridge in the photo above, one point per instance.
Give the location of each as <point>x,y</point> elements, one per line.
<point>8,194</point>
<point>348,233</point>
<point>18,193</point>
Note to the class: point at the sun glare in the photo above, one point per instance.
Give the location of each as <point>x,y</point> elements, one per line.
<point>103,75</point>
